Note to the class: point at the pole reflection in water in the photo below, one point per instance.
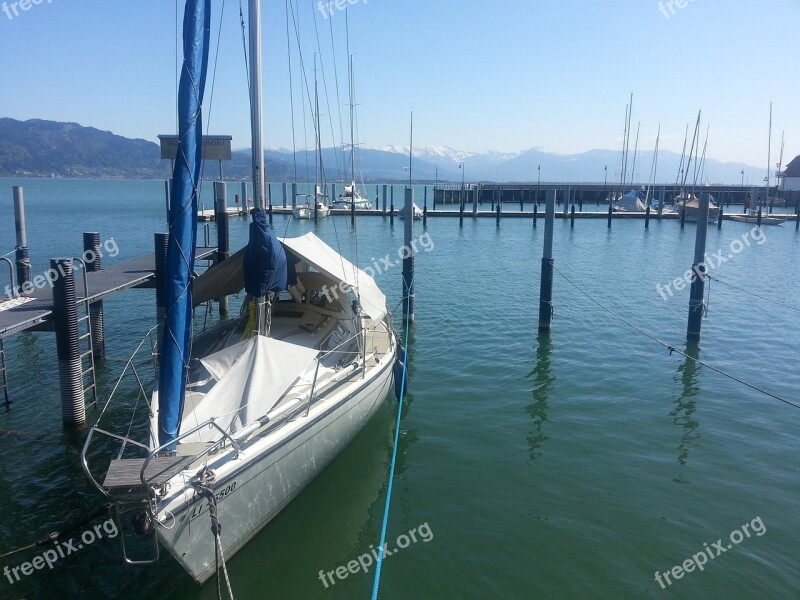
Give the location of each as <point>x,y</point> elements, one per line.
<point>685,406</point>
<point>543,381</point>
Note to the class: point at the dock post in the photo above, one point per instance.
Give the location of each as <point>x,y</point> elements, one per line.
<point>352,206</point>
<point>771,202</point>
<point>719,218</point>
<point>663,194</point>
<point>647,217</point>
<point>758,220</point>
<point>610,211</point>
<point>284,194</point>
<point>434,197</point>
<point>22,259</point>
<point>161,244</point>
<point>474,200</point>
<point>243,206</point>
<point>223,233</point>
<point>546,284</point>
<point>797,218</point>
<point>683,216</point>
<point>65,319</point>
<point>567,198</point>
<point>521,200</point>
<point>498,216</point>
<point>696,303</point>
<point>408,256</point>
<point>384,200</point>
<point>535,213</point>
<point>91,256</point>
<point>572,216</point>
<point>294,195</point>
<point>391,206</point>
<point>461,216</point>
<point>425,208</point>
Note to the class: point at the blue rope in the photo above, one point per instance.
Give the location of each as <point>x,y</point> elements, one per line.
<point>376,583</point>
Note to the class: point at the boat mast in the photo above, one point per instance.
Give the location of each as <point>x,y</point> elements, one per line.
<point>769,156</point>
<point>256,103</point>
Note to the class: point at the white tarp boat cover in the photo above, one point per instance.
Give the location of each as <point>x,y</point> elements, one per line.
<point>326,260</point>
<point>251,377</point>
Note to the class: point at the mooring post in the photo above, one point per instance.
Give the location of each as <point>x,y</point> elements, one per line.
<point>797,217</point>
<point>696,304</point>
<point>647,217</point>
<point>352,205</point>
<point>223,233</point>
<point>408,256</point>
<point>771,202</point>
<point>497,222</point>
<point>92,258</point>
<point>243,208</point>
<point>474,200</point>
<point>683,215</point>
<point>572,216</point>
<point>663,194</point>
<point>391,206</point>
<point>610,211</point>
<point>294,195</point>
<point>434,197</point>
<point>535,213</point>
<point>719,218</point>
<point>567,198</point>
<point>425,208</point>
<point>161,244</point>
<point>22,259</point>
<point>546,284</point>
<point>758,220</point>
<point>285,193</point>
<point>65,320</point>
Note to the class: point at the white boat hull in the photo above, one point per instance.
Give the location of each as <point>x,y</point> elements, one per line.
<point>304,212</point>
<point>253,488</point>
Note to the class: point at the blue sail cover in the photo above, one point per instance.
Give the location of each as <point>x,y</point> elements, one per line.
<point>264,258</point>
<point>176,343</point>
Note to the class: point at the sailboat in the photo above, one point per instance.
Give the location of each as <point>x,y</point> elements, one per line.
<point>351,196</point>
<point>244,415</point>
<point>315,206</point>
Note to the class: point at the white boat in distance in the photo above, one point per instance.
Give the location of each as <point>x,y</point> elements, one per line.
<point>350,196</point>
<point>245,414</point>
<point>416,210</point>
<point>306,210</point>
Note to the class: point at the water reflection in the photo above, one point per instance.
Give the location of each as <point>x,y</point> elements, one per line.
<point>543,381</point>
<point>685,405</point>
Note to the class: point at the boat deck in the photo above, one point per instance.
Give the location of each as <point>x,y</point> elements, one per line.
<point>35,310</point>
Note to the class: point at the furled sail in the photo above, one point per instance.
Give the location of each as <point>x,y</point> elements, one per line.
<point>181,249</point>
<point>264,258</point>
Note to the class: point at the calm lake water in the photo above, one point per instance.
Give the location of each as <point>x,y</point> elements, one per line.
<point>574,466</point>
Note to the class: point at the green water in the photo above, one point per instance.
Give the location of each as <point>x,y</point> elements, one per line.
<point>570,466</point>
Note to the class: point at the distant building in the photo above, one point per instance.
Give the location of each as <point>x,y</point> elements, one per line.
<point>790,178</point>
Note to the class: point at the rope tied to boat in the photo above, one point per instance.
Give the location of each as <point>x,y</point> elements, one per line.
<point>204,479</point>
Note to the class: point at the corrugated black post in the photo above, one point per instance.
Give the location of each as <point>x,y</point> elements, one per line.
<point>572,216</point>
<point>223,233</point>
<point>719,218</point>
<point>498,216</point>
<point>758,220</point>
<point>22,259</point>
<point>696,304</point>
<point>647,217</point>
<point>161,243</point>
<point>609,216</point>
<point>65,320</point>
<point>546,284</point>
<point>92,258</point>
<point>408,258</point>
<point>683,216</point>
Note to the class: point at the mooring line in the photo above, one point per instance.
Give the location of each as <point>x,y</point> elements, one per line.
<point>379,562</point>
<point>738,289</point>
<point>672,348</point>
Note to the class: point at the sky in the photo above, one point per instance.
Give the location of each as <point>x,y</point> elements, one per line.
<point>505,75</point>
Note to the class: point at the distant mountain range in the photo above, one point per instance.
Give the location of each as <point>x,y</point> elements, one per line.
<point>38,148</point>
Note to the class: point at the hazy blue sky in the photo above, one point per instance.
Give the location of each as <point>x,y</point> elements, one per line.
<point>502,75</point>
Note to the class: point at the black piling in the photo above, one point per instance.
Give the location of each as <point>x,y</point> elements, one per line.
<point>521,199</point>
<point>223,232</point>
<point>23,262</point>
<point>535,213</point>
<point>294,196</point>
<point>771,203</point>
<point>65,320</point>
<point>696,303</point>
<point>425,209</point>
<point>92,258</point>
<point>461,216</point>
<point>758,220</point>
<point>408,259</point>
<point>285,193</point>
<point>572,217</point>
<point>497,218</point>
<point>161,244</point>
<point>391,206</point>
<point>797,217</point>
<point>647,217</point>
<point>610,210</point>
<point>683,216</point>
<point>546,284</point>
<point>719,217</point>
<point>353,208</point>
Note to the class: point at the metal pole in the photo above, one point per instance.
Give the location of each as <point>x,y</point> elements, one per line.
<point>546,285</point>
<point>696,304</point>
<point>719,219</point>
<point>408,259</point>
<point>23,261</point>
<point>391,206</point>
<point>535,213</point>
